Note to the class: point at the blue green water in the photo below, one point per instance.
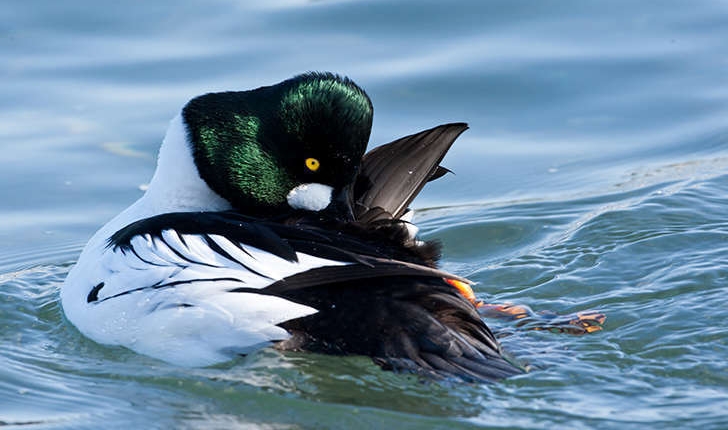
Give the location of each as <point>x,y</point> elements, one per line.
<point>594,176</point>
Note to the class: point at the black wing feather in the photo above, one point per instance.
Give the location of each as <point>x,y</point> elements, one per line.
<point>414,324</point>
<point>370,268</point>
<point>393,174</point>
<point>235,227</point>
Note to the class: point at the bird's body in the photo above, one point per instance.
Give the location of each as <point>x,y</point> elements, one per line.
<point>265,224</point>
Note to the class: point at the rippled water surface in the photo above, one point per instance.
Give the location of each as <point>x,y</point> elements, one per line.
<point>594,176</point>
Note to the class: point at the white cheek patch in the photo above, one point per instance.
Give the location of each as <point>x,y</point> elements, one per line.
<point>312,197</point>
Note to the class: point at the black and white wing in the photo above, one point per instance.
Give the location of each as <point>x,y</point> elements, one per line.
<point>166,287</point>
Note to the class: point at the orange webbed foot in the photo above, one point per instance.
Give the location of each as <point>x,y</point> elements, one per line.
<point>577,323</point>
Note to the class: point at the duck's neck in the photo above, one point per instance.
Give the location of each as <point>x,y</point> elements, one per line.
<point>176,185</point>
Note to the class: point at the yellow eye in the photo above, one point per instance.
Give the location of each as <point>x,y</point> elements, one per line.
<point>312,164</point>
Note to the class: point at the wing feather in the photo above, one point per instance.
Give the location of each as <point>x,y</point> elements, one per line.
<point>392,175</point>
<point>165,292</point>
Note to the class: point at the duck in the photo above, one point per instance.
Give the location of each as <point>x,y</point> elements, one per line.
<point>267,224</point>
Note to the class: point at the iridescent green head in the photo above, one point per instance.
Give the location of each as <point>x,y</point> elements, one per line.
<point>287,145</point>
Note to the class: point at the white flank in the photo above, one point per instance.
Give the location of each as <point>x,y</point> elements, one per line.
<point>312,197</point>
<point>176,185</point>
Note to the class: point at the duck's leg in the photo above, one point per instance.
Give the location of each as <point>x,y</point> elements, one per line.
<point>577,323</point>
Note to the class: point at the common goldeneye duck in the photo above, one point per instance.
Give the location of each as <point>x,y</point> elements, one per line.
<point>265,224</point>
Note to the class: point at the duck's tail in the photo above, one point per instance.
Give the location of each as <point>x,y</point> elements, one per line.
<point>419,325</point>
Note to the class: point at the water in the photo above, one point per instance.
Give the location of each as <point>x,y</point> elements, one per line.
<point>594,176</point>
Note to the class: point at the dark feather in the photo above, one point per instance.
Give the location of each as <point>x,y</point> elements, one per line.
<point>439,173</point>
<point>228,224</point>
<point>404,323</point>
<point>392,175</point>
<point>374,269</point>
